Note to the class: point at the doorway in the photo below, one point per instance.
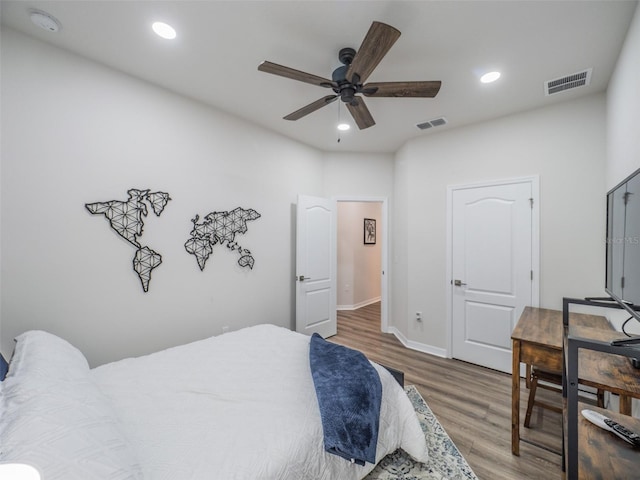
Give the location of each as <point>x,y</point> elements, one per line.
<point>362,252</point>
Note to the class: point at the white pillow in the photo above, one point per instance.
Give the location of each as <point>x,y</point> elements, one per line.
<point>42,354</point>
<point>55,418</point>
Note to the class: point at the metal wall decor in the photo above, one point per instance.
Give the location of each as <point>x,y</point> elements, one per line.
<point>222,228</point>
<point>369,231</point>
<point>126,219</point>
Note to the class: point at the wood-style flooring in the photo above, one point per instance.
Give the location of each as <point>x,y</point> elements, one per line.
<point>472,403</point>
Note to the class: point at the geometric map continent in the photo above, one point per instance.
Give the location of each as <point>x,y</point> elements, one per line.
<point>144,261</point>
<point>126,219</point>
<point>222,228</point>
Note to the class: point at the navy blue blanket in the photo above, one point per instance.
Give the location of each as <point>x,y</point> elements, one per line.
<point>349,394</point>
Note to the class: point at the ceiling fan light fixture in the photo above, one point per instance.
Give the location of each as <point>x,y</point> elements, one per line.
<point>164,30</point>
<point>490,77</point>
<point>348,81</point>
<point>344,126</point>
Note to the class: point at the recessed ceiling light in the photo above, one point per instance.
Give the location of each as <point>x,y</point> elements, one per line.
<point>44,20</point>
<point>164,30</point>
<point>490,77</point>
<point>344,126</point>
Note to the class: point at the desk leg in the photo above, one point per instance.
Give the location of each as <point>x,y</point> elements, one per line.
<point>625,405</point>
<point>515,398</point>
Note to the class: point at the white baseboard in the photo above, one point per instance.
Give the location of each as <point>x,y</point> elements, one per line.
<point>420,347</point>
<point>358,305</point>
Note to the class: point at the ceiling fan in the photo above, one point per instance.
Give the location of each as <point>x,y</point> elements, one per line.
<point>348,80</point>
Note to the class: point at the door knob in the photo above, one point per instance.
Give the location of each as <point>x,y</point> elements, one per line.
<point>458,283</point>
<point>302,278</point>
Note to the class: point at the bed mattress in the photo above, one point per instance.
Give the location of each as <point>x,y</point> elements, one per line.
<point>241,405</point>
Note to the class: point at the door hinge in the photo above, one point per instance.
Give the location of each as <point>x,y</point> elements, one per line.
<point>531,202</point>
<point>531,274</point>
<point>622,282</point>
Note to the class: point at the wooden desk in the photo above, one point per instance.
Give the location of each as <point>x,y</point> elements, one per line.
<point>537,340</point>
<point>613,373</point>
<point>601,453</point>
<point>592,453</point>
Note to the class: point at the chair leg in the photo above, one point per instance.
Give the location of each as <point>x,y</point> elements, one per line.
<point>532,397</point>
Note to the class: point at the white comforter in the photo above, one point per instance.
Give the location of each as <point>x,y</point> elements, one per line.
<point>238,406</point>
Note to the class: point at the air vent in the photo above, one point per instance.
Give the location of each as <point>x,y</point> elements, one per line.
<point>437,122</point>
<point>568,82</point>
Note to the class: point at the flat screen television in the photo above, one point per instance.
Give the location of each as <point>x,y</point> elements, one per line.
<point>623,244</point>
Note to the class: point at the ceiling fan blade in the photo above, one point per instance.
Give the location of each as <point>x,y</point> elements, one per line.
<point>294,74</point>
<point>402,89</point>
<point>379,39</point>
<point>360,113</point>
<point>312,107</point>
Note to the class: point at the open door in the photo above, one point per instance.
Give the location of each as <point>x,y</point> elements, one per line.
<point>315,266</point>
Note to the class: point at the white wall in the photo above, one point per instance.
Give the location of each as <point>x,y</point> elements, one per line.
<point>563,144</point>
<point>359,265</point>
<point>623,109</point>
<point>75,132</point>
<point>365,174</point>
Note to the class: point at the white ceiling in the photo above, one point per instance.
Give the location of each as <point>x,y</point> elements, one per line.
<point>220,44</point>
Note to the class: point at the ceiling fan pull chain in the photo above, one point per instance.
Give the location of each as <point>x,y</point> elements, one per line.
<point>339,122</point>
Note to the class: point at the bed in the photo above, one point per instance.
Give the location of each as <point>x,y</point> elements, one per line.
<point>242,405</point>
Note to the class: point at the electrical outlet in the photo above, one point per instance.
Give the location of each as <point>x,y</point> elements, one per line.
<point>225,329</point>
<point>418,316</point>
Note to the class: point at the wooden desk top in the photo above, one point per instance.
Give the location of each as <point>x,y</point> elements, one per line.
<point>544,327</point>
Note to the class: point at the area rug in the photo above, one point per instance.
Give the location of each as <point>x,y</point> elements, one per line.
<point>445,460</point>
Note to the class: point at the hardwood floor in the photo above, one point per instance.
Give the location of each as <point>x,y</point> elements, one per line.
<point>472,403</point>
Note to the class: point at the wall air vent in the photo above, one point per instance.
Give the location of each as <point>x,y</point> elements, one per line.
<point>568,82</point>
<point>436,122</point>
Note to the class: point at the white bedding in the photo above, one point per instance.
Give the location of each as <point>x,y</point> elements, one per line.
<point>238,406</point>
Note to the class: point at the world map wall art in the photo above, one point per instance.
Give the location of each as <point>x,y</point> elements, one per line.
<point>222,228</point>
<point>126,219</point>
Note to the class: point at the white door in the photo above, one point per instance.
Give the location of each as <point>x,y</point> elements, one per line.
<point>491,270</point>
<point>315,266</point>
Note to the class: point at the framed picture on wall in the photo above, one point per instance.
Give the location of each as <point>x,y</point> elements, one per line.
<point>369,231</point>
